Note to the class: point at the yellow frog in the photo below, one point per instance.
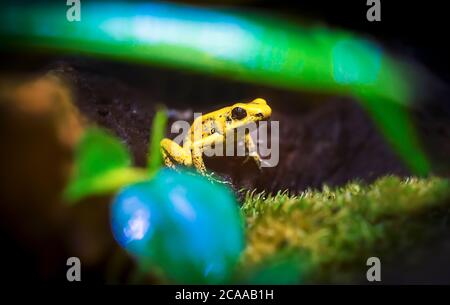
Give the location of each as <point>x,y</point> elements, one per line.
<point>212,128</point>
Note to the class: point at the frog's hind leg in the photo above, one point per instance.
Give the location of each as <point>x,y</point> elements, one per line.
<point>173,154</point>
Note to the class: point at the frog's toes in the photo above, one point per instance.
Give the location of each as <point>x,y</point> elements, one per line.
<point>247,158</point>
<point>218,179</point>
<point>265,163</point>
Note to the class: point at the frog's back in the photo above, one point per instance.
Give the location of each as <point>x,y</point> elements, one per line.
<point>210,123</point>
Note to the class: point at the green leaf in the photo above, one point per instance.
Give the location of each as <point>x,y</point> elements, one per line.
<point>154,159</point>
<point>104,183</point>
<point>103,165</point>
<point>99,152</point>
<point>396,125</point>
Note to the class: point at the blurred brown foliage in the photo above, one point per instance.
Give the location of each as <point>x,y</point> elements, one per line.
<point>39,128</point>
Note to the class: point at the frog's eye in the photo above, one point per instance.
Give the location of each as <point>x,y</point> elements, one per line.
<point>238,113</point>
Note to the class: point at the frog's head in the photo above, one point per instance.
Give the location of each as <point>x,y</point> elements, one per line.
<point>242,114</point>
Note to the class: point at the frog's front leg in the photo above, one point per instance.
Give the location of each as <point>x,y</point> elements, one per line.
<point>199,164</point>
<point>174,154</point>
<point>252,150</point>
<point>197,160</point>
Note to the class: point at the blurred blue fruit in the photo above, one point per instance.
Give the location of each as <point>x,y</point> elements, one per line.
<point>181,223</point>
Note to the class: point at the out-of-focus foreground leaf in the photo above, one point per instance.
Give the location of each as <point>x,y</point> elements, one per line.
<point>154,160</point>
<point>102,166</point>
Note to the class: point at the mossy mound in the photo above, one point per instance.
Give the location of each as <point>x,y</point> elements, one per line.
<point>326,236</point>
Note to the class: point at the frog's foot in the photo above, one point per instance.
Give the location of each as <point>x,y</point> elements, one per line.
<point>216,178</point>
<point>256,158</point>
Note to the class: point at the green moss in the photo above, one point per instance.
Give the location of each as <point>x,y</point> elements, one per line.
<point>331,233</point>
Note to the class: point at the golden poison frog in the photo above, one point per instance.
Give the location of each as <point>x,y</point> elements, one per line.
<point>212,128</point>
